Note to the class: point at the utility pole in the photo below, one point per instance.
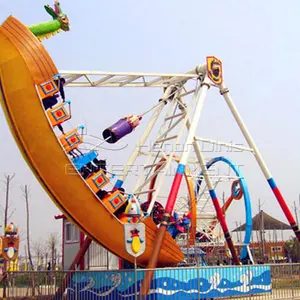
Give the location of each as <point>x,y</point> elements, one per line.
<point>26,197</point>
<point>299,201</point>
<point>261,229</point>
<point>223,197</point>
<point>240,233</point>
<point>237,233</point>
<point>296,212</point>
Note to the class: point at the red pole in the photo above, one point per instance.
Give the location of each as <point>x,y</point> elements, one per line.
<point>224,226</point>
<point>285,208</point>
<point>161,233</point>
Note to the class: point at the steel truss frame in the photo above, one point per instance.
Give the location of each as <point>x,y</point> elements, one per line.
<point>180,117</point>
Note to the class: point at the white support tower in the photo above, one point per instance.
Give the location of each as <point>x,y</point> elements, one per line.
<point>171,130</point>
<point>159,149</point>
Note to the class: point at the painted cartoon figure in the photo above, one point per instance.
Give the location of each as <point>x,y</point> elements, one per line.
<point>135,241</point>
<point>10,242</point>
<point>215,69</point>
<point>133,212</point>
<point>11,251</point>
<point>11,229</point>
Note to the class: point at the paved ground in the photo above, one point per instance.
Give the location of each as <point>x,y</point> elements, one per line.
<point>274,295</point>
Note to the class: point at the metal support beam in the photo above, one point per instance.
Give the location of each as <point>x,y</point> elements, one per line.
<point>123,79</point>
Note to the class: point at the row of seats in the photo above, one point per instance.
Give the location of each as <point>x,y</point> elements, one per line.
<point>92,169</point>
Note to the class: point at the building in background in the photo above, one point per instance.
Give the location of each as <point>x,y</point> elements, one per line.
<point>96,257</point>
<point>268,240</point>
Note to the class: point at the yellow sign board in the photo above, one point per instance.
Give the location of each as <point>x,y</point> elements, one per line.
<point>214,69</point>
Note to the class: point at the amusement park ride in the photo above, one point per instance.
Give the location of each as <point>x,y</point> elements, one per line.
<point>175,118</point>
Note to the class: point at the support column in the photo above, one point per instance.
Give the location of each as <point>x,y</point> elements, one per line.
<point>175,188</point>
<point>216,201</point>
<point>218,208</point>
<point>225,92</point>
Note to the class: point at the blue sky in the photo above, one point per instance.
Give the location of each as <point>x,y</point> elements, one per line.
<point>257,42</point>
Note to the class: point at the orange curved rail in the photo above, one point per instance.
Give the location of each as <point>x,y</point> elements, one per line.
<point>25,63</point>
<point>228,203</point>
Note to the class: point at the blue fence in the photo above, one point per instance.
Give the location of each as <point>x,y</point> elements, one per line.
<point>183,283</point>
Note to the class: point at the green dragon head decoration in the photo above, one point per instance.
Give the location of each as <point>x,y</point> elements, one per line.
<point>60,22</point>
<point>57,14</point>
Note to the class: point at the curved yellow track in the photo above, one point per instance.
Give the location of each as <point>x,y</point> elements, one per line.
<point>24,63</point>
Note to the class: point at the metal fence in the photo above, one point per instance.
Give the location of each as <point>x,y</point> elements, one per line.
<point>280,281</point>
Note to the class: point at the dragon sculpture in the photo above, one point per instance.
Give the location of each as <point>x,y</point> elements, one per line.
<point>60,22</point>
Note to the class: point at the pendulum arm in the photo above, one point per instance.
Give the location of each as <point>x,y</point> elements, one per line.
<point>225,92</point>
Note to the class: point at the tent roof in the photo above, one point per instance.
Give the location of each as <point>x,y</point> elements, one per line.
<point>269,223</point>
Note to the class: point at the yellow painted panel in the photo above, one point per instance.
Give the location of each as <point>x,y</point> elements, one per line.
<point>24,63</point>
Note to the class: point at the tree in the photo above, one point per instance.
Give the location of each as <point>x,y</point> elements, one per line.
<point>292,249</point>
<point>39,250</point>
<point>8,179</point>
<point>53,244</point>
<point>26,192</point>
<point>26,197</point>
